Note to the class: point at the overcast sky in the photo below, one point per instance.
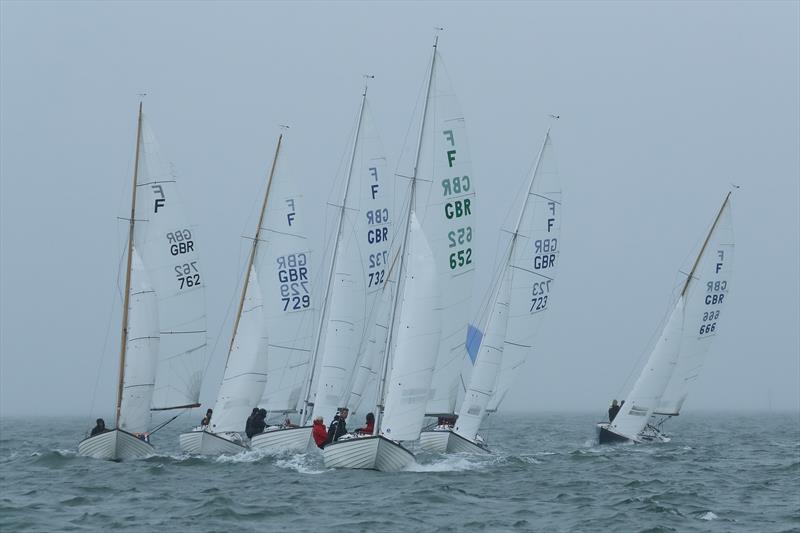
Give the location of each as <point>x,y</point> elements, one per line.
<point>663,105</point>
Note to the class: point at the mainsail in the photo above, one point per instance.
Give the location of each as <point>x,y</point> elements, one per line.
<point>520,298</point>
<point>693,321</point>
<point>534,262</point>
<point>167,244</point>
<point>359,267</point>
<point>284,273</point>
<point>444,201</point>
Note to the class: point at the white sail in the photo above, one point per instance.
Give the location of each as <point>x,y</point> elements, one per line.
<point>534,261</point>
<point>365,380</point>
<point>647,391</point>
<point>706,296</point>
<point>245,372</point>
<point>142,351</point>
<point>445,204</point>
<point>168,246</point>
<point>487,363</point>
<point>359,269</point>
<point>417,334</point>
<point>283,265</point>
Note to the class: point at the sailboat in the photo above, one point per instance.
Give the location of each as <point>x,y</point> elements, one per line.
<point>678,355</point>
<point>285,275</point>
<point>517,304</point>
<point>357,271</point>
<point>246,365</point>
<point>422,305</point>
<point>163,333</point>
<point>408,383</point>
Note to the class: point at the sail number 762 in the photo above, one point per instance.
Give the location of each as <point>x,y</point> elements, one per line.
<point>187,275</point>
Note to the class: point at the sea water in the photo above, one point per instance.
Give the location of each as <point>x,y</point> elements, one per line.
<point>720,472</point>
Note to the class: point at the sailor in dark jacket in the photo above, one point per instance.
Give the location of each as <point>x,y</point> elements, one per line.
<point>338,426</point>
<point>248,428</point>
<point>99,428</point>
<point>613,410</point>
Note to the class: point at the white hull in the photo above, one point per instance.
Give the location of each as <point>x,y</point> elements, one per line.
<point>283,440</point>
<point>448,441</point>
<point>371,453</point>
<point>115,445</point>
<point>208,443</point>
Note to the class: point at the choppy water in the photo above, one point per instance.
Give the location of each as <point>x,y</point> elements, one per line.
<point>720,473</point>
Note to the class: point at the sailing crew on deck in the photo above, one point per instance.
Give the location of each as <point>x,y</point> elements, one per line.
<point>613,410</point>
<point>259,423</point>
<point>369,428</point>
<point>99,428</point>
<point>338,427</point>
<point>319,432</point>
<point>248,427</point>
<point>207,419</point>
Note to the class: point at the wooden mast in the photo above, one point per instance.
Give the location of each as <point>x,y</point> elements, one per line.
<point>705,243</point>
<point>253,249</point>
<point>126,297</point>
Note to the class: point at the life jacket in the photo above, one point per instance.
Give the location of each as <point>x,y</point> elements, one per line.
<point>319,433</point>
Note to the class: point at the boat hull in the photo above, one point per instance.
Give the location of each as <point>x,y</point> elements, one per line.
<point>208,443</point>
<point>283,440</point>
<point>115,445</point>
<point>448,441</point>
<point>606,436</point>
<point>368,453</point>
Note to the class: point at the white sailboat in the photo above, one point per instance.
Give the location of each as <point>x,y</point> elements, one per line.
<point>517,304</point>
<point>246,365</point>
<point>408,383</point>
<point>358,268</point>
<point>436,256</point>
<point>679,353</point>
<point>163,339</point>
<point>283,265</point>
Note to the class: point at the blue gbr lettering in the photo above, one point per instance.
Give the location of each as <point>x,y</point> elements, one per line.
<point>541,262</point>
<point>377,235</point>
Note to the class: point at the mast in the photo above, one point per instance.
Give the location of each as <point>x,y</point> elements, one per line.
<point>126,297</point>
<point>252,257</point>
<point>705,243</point>
<point>411,207</point>
<point>332,266</point>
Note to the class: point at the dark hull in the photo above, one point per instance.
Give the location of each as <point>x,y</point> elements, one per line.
<point>605,436</point>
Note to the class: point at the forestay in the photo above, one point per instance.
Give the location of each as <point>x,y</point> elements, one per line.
<point>445,205</point>
<point>142,351</point>
<point>245,371</point>
<point>533,264</point>
<point>167,244</point>
<point>359,269</point>
<point>283,265</point>
<point>418,331</point>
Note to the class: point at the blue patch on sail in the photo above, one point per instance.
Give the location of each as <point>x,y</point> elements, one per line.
<point>474,338</point>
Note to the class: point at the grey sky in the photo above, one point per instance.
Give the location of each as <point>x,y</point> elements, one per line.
<point>662,105</point>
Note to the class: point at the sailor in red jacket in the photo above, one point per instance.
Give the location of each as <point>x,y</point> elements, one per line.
<point>319,432</point>
<point>370,427</point>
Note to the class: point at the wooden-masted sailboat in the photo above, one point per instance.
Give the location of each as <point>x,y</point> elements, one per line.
<point>517,304</point>
<point>163,338</point>
<point>246,365</point>
<point>285,274</point>
<point>686,337</point>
